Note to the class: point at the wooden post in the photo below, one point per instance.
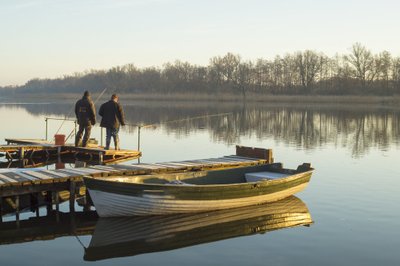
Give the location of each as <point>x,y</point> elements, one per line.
<point>101,159</point>
<point>23,163</point>
<point>49,201</point>
<point>34,201</point>
<point>17,208</point>
<point>57,200</point>
<point>72,188</point>
<point>1,209</point>
<point>21,153</point>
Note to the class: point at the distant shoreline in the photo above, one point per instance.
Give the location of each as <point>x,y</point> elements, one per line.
<point>251,98</point>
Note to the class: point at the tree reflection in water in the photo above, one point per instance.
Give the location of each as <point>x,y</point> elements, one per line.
<point>358,128</point>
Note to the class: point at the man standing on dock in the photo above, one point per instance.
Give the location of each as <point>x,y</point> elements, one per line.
<point>112,117</point>
<point>86,116</point>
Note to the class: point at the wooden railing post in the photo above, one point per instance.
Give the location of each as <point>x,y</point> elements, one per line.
<point>259,153</point>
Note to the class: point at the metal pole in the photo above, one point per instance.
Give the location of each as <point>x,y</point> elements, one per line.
<point>138,142</point>
<point>138,138</point>
<point>75,128</point>
<point>47,127</point>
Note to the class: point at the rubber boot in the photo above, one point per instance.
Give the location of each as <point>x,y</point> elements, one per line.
<point>116,142</point>
<point>77,141</point>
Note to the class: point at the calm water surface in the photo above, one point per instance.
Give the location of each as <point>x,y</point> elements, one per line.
<point>353,197</point>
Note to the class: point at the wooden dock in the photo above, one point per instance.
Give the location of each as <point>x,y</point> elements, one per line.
<point>27,149</point>
<point>19,152</point>
<point>33,183</point>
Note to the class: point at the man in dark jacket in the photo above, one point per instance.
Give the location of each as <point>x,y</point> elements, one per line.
<point>112,117</point>
<point>86,116</point>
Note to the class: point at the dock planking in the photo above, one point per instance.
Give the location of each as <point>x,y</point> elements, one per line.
<point>18,178</point>
<point>18,182</point>
<point>25,148</point>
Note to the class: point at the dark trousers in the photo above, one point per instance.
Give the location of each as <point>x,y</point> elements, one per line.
<point>112,132</point>
<point>82,128</point>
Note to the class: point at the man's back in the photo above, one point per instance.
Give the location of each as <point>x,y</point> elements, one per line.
<point>112,115</point>
<point>84,110</point>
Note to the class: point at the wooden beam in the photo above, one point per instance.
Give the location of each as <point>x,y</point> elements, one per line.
<point>259,153</point>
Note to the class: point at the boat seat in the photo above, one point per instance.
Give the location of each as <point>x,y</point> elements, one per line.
<point>260,176</point>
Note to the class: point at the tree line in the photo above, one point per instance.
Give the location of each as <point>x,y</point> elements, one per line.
<point>359,72</point>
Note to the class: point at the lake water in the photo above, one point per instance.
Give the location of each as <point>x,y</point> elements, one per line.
<point>353,197</point>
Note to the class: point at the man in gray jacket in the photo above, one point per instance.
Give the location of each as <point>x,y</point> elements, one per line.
<point>112,117</point>
<point>86,116</point>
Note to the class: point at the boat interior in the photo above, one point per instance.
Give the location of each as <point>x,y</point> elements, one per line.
<point>214,177</point>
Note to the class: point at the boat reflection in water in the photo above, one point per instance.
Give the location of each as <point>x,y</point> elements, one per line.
<point>129,236</point>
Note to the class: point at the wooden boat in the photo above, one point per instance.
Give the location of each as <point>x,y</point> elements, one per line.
<point>130,236</point>
<point>198,191</point>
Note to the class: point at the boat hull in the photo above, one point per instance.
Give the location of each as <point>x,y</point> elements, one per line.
<point>202,191</point>
<point>111,204</point>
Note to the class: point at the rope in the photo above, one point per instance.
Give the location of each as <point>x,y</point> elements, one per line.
<point>80,242</point>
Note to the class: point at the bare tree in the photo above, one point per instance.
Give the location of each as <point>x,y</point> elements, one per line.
<point>362,61</point>
<point>383,64</point>
<point>309,65</point>
<point>243,77</point>
<point>396,74</point>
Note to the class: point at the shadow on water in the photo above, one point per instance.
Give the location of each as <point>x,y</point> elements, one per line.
<point>358,128</point>
<point>130,236</point>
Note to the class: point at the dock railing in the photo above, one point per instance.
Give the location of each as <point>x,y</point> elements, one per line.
<point>46,119</point>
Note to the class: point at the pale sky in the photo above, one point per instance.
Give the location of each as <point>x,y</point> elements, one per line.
<point>50,38</point>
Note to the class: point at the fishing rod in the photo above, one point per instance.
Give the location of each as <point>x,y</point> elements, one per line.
<point>174,121</point>
<point>65,119</point>
<point>185,119</point>
<point>98,98</point>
